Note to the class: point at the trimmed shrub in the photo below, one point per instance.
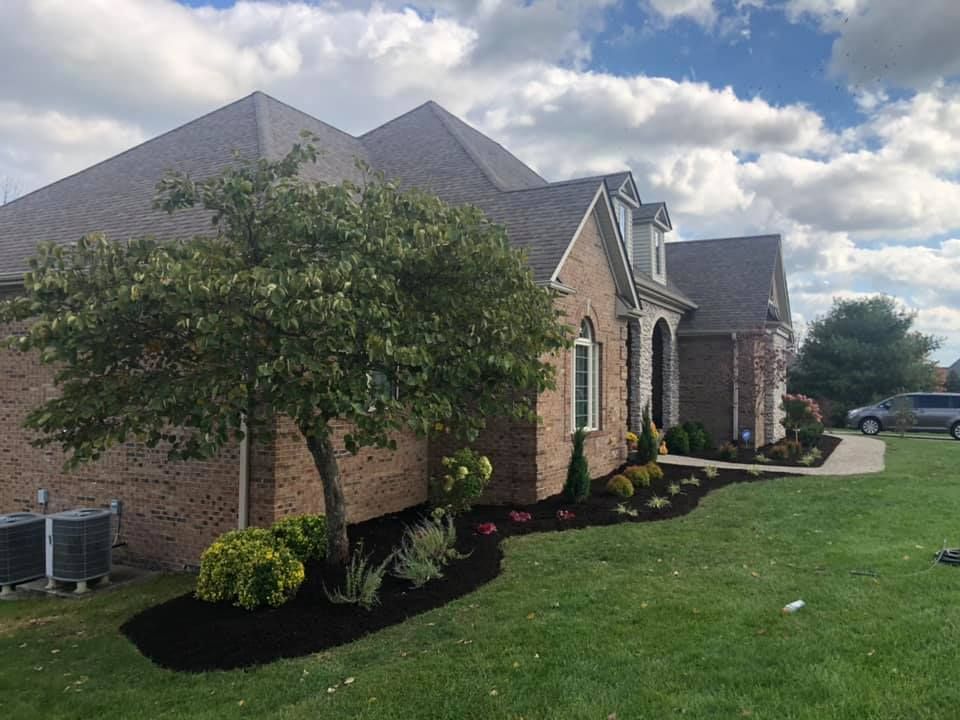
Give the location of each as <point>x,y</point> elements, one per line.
<point>304,535</point>
<point>648,441</point>
<point>466,474</point>
<point>249,568</point>
<point>654,471</point>
<point>697,435</point>
<point>678,441</point>
<point>577,486</point>
<point>810,435</point>
<point>638,475</point>
<point>621,486</point>
<point>727,451</point>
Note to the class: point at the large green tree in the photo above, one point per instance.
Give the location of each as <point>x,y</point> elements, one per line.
<point>863,350</point>
<point>390,310</point>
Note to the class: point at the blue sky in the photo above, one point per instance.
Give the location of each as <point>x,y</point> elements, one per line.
<point>833,122</point>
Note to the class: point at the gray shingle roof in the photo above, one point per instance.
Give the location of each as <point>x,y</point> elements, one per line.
<point>542,220</point>
<point>730,280</point>
<point>116,196</point>
<point>426,148</point>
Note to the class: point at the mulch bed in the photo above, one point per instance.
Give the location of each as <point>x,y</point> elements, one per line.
<point>826,444</point>
<point>190,635</point>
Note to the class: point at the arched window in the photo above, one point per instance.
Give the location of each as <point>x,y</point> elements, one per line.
<point>586,379</point>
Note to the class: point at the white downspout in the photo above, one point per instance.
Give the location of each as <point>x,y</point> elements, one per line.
<point>243,499</point>
<point>736,388</point>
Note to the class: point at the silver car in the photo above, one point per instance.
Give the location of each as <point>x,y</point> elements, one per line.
<point>934,412</point>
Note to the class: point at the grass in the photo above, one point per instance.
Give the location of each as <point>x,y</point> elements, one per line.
<point>654,620</point>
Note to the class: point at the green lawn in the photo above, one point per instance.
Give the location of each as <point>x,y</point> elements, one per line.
<point>656,620</point>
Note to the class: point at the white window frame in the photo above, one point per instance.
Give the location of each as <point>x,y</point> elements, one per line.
<point>593,378</point>
<point>622,218</point>
<point>658,251</point>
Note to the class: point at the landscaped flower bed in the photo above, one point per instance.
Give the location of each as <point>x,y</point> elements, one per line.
<point>825,445</point>
<point>189,634</point>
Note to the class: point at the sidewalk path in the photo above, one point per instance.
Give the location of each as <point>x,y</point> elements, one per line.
<point>856,455</point>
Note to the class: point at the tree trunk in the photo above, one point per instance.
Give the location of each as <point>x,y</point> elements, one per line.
<point>338,547</point>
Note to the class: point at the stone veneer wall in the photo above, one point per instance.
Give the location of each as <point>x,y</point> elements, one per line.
<point>652,314</point>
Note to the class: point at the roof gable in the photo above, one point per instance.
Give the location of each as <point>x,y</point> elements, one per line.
<point>731,281</point>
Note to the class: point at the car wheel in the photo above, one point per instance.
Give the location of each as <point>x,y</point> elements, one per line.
<point>871,426</point>
<point>955,431</point>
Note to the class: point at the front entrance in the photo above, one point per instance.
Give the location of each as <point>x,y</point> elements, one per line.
<point>658,346</point>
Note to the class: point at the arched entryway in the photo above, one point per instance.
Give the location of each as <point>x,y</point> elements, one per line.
<point>660,346</point>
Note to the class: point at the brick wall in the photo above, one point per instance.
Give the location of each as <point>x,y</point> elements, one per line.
<point>587,271</point>
<point>706,372</point>
<point>171,511</point>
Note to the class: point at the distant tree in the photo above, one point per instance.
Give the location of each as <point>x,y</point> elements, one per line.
<point>861,351</point>
<point>388,310</point>
<point>953,382</point>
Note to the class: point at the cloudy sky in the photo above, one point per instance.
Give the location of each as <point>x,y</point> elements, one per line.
<point>833,122</point>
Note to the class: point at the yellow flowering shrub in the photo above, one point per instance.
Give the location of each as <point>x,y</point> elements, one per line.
<point>249,568</point>
<point>465,475</point>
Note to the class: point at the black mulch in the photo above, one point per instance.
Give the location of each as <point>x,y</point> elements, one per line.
<point>190,635</point>
<point>826,444</point>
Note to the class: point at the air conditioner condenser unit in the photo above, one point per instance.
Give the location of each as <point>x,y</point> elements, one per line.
<point>78,546</point>
<point>21,549</point>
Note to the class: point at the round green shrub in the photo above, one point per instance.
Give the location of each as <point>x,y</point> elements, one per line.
<point>249,568</point>
<point>621,486</point>
<point>305,535</point>
<point>654,471</point>
<point>678,442</point>
<point>638,476</point>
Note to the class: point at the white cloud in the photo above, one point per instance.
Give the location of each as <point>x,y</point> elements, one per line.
<point>856,209</point>
<point>701,11</point>
<point>888,41</point>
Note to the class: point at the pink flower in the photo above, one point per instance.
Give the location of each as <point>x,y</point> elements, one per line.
<point>565,515</point>
<point>486,529</point>
<point>518,516</point>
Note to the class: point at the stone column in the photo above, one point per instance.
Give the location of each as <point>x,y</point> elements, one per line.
<point>634,374</point>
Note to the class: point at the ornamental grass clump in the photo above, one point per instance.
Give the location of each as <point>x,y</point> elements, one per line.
<point>621,486</point>
<point>577,486</point>
<point>692,481</point>
<point>249,568</point>
<point>304,535</point>
<point>658,503</point>
<point>465,476</point>
<point>362,581</point>
<point>425,549</point>
<point>710,472</point>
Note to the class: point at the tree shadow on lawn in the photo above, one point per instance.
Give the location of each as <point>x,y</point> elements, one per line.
<point>187,634</point>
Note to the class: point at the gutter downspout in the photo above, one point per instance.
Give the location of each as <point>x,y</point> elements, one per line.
<point>736,387</point>
<point>243,499</point>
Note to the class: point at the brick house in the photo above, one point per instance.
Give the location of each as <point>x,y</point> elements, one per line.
<point>643,335</point>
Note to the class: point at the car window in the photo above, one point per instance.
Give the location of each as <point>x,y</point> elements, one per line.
<point>955,402</point>
<point>932,402</point>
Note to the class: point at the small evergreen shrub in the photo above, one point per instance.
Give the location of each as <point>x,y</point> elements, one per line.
<point>678,441</point>
<point>305,535</point>
<point>654,471</point>
<point>638,475</point>
<point>648,441</point>
<point>361,584</point>
<point>249,568</point>
<point>466,474</point>
<point>728,452</point>
<point>621,486</point>
<point>698,436</point>
<point>577,486</point>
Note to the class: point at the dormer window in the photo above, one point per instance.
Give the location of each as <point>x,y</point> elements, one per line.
<point>622,219</point>
<point>658,251</point>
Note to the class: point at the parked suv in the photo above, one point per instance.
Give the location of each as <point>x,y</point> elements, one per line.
<point>935,412</point>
